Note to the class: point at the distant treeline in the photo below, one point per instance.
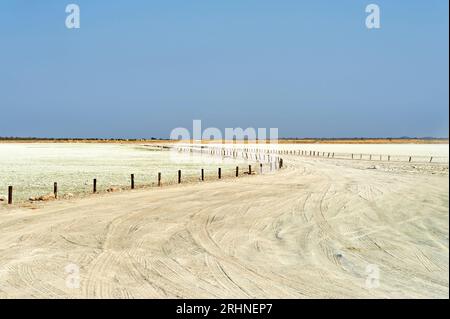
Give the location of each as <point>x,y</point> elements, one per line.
<point>13,138</point>
<point>61,139</point>
<point>364,138</point>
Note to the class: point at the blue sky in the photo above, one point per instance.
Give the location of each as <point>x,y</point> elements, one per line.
<point>139,69</point>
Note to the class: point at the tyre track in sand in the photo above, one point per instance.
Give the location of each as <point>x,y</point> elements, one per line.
<point>310,230</point>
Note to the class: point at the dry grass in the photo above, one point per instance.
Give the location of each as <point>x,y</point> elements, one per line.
<point>330,141</point>
<point>281,141</point>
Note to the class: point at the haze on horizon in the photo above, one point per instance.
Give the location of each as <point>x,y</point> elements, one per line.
<point>141,69</point>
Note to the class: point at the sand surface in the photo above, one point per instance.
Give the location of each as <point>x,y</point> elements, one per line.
<point>318,228</point>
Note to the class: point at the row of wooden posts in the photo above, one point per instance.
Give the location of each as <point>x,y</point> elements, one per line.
<point>231,153</point>
<point>132,184</point>
<point>291,152</point>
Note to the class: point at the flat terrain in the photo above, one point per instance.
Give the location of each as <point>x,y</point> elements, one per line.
<point>318,228</point>
<point>281,141</point>
<point>33,168</point>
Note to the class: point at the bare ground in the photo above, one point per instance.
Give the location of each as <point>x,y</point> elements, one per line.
<point>316,229</point>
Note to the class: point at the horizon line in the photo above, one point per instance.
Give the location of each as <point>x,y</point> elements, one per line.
<point>6,138</point>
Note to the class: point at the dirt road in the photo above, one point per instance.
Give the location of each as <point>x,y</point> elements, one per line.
<point>318,228</point>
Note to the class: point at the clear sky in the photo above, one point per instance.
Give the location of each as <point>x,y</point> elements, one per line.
<point>137,69</point>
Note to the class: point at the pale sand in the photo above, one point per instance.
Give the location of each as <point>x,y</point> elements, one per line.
<point>310,230</point>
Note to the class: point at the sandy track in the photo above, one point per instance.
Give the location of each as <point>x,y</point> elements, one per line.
<point>314,229</point>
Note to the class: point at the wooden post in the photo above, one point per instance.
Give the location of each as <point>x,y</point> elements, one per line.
<point>237,171</point>
<point>249,170</point>
<point>159,179</point>
<point>203,174</point>
<point>55,189</point>
<point>281,162</point>
<point>260,168</point>
<point>410,159</point>
<point>431,159</point>
<point>94,190</point>
<point>179,176</point>
<point>10,194</point>
<point>132,181</point>
<point>219,173</point>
